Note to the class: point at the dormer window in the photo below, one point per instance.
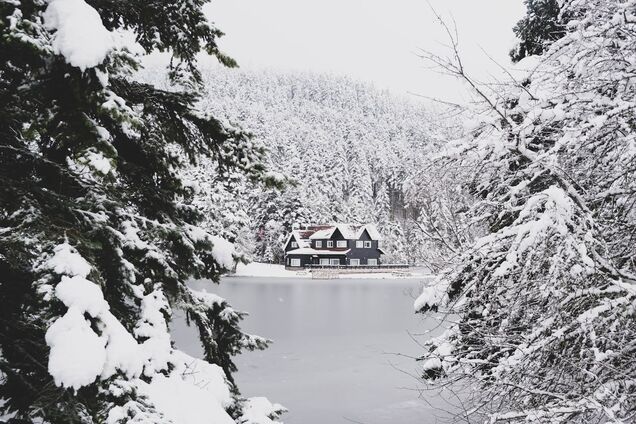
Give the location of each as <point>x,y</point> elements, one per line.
<point>294,244</point>
<point>341,243</point>
<point>329,243</point>
<point>318,243</point>
<point>367,244</point>
<point>359,244</point>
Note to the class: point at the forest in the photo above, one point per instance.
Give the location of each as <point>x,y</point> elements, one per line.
<point>348,152</point>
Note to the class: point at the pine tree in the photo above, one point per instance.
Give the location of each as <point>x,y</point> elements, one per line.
<point>542,25</point>
<point>382,205</point>
<point>544,304</point>
<point>98,235</point>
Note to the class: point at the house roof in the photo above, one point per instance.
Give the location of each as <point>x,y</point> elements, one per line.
<point>373,232</point>
<point>313,232</point>
<point>349,231</point>
<point>301,236</point>
<point>318,252</point>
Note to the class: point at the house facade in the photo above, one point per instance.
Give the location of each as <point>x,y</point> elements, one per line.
<point>334,245</point>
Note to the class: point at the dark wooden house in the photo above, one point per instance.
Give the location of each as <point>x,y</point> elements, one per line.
<point>333,245</point>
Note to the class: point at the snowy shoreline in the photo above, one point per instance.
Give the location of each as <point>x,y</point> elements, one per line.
<point>259,270</point>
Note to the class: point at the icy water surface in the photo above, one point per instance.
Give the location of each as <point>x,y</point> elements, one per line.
<point>333,359</point>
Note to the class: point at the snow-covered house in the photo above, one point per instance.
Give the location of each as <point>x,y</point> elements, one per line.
<point>338,244</point>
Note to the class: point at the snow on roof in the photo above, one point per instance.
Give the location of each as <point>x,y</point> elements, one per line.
<point>349,231</point>
<point>301,239</point>
<point>323,234</point>
<point>310,251</point>
<point>372,230</point>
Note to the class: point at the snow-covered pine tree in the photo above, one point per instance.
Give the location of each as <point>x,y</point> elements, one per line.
<point>542,25</point>
<point>439,203</point>
<point>544,305</point>
<point>97,237</point>
<point>381,204</point>
<point>274,219</point>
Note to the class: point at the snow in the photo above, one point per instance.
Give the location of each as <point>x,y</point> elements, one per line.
<point>209,299</point>
<point>432,364</point>
<point>223,252</point>
<point>153,327</point>
<point>102,76</point>
<point>82,294</point>
<point>323,234</point>
<point>372,230</point>
<point>257,410</point>
<point>257,269</point>
<point>77,354</point>
<point>184,389</point>
<point>194,392</point>
<point>97,161</point>
<point>67,261</point>
<point>79,34</point>
<point>349,232</point>
<point>298,237</point>
<point>122,351</point>
<point>183,402</point>
<point>431,296</point>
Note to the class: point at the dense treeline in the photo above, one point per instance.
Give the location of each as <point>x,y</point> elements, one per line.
<point>345,150</point>
<point>345,147</point>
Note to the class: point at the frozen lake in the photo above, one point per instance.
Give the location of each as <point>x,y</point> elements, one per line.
<point>334,358</point>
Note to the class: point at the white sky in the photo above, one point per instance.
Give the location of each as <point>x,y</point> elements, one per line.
<point>370,40</point>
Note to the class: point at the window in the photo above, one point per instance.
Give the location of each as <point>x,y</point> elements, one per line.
<point>367,244</point>
<point>359,244</point>
<point>318,243</point>
<point>341,243</point>
<point>295,262</point>
<point>324,261</point>
<point>294,244</point>
<point>335,261</point>
<point>329,243</point>
<point>354,262</point>
<point>373,262</point>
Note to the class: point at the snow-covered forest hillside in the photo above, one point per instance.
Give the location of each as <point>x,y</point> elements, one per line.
<point>345,147</point>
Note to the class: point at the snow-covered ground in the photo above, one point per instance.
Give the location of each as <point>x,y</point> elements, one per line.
<point>257,269</point>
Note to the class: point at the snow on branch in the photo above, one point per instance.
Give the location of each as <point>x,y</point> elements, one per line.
<point>79,33</point>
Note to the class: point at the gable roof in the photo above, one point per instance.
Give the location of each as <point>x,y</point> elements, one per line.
<point>301,238</point>
<point>373,232</point>
<point>312,232</point>
<point>348,231</point>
